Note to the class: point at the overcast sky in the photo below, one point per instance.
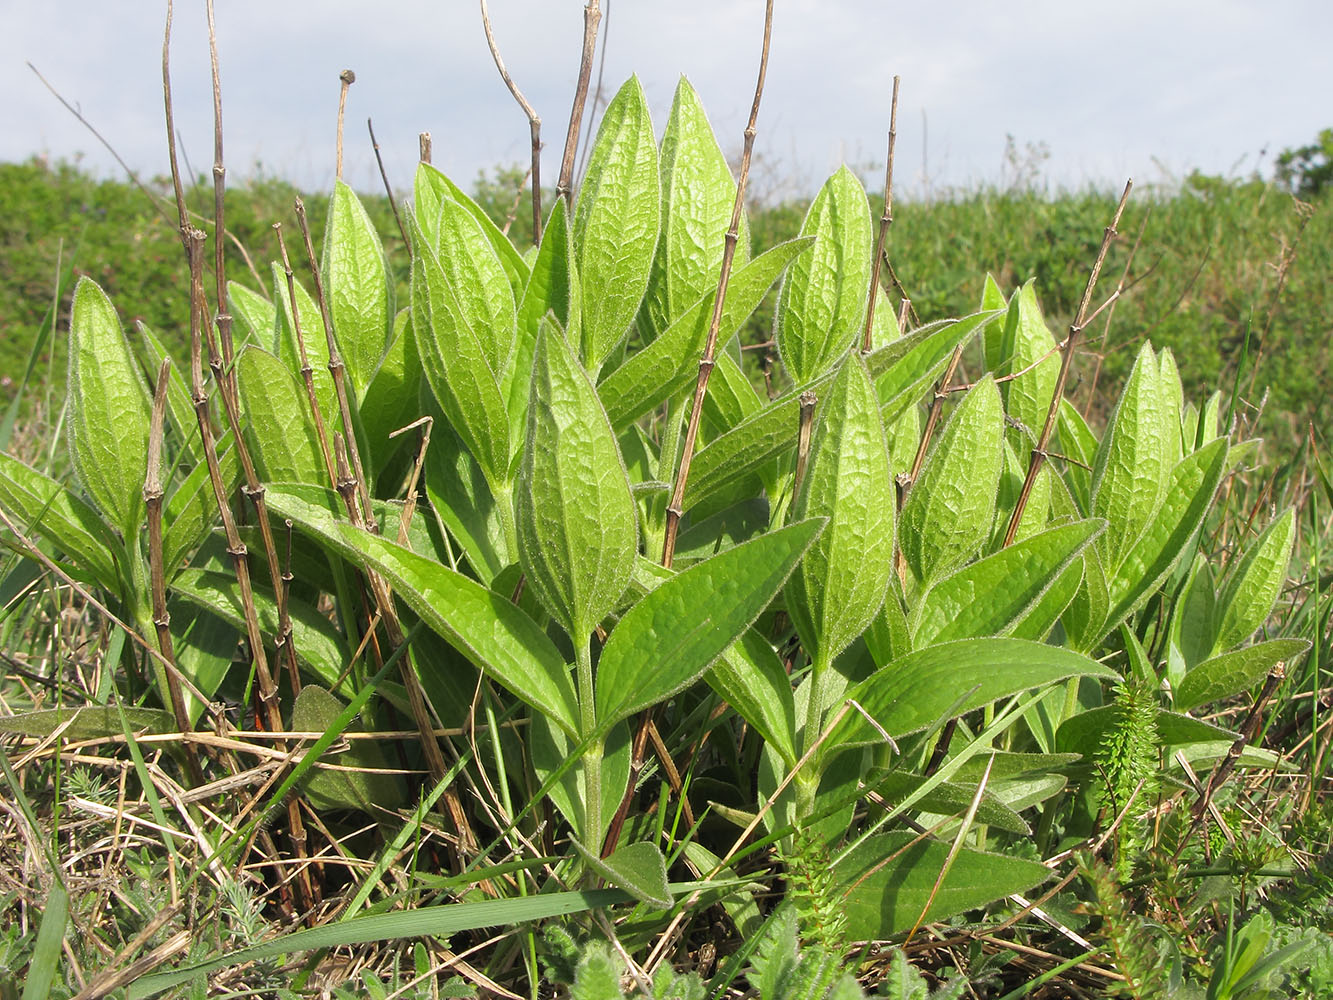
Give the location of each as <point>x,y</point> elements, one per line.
<point>1148,88</point>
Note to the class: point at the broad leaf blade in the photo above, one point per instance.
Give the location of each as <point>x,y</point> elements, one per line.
<point>751,678</point>
<point>639,869</point>
<point>502,640</point>
<point>1253,586</point>
<point>108,410</point>
<point>672,635</point>
<point>278,427</point>
<point>1232,673</point>
<point>356,281</point>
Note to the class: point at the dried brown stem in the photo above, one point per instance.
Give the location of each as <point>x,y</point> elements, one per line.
<point>675,508</point>
<point>182,214</point>
<point>807,420</point>
<point>592,15</point>
<point>219,219</point>
<point>346,78</point>
<point>534,123</point>
<point>388,188</point>
<point>1106,327</point>
<point>153,494</point>
<point>596,94</point>
<point>1080,319</point>
<point>932,421</point>
<point>423,147</point>
<point>885,220</point>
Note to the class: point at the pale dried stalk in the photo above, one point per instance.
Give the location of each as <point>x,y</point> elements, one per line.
<point>675,508</point>
<point>1039,453</point>
<point>346,78</point>
<point>886,220</point>
<point>423,146</point>
<point>534,123</point>
<point>807,420</point>
<point>592,16</point>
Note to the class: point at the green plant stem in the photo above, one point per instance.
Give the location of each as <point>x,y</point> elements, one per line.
<point>504,509</point>
<point>592,757</point>
<point>807,782</point>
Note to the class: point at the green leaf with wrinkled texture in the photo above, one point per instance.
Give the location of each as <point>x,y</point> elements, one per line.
<point>903,369</point>
<point>616,222</point>
<point>356,281</point>
<point>1194,620</point>
<point>1130,471</point>
<point>499,638</point>
<point>915,690</point>
<point>671,636</point>
<point>840,585</point>
<point>947,798</point>
<point>390,400</point>
<point>1231,673</point>
<point>639,869</point>
<point>317,642</point>
<point>1029,345</point>
<point>552,287</point>
<point>698,195</point>
<point>1085,619</point>
<point>822,305</point>
<point>258,315</point>
<point>44,508</point>
<point>455,364</point>
<point>316,344</point>
<point>1189,495</point>
<point>1083,732</point>
<point>1078,442</point>
<point>730,397</point>
<point>430,188</point>
<point>576,521</point>
<point>886,882</point>
<point>315,711</point>
<point>1036,623</point>
<point>991,595</point>
<point>993,337</point>
<point>1253,586</point>
<point>89,722</point>
<point>750,677</point>
<point>1037,509</point>
<point>949,509</point>
<point>278,423</point>
<point>473,273</point>
<point>108,410</point>
<point>669,364</point>
<point>1173,397</point>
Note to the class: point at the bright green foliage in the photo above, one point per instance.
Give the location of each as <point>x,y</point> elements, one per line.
<point>108,417</point>
<point>616,223</point>
<point>823,300</point>
<point>356,279</point>
<point>842,581</point>
<point>577,528</point>
<point>949,509</point>
<point>1252,586</point>
<point>1029,348</point>
<point>280,432</point>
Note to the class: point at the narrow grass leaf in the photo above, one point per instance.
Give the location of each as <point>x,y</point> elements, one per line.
<point>672,635</point>
<point>46,951</point>
<point>108,410</point>
<point>576,520</point>
<point>616,222</point>
<point>498,637</point>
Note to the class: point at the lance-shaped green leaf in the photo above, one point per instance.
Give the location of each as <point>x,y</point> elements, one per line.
<point>1030,349</point>
<point>639,869</point>
<point>286,346</point>
<point>670,363</point>
<point>1173,398</point>
<point>751,678</point>
<point>990,596</point>
<point>356,280</point>
<point>577,526</point>
<point>475,276</point>
<point>1252,588</point>
<point>993,344</point>
<point>840,585</point>
<point>180,408</point>
<point>108,410</point>
<point>730,397</point>
<point>1189,495</point>
<point>279,427</point>
<point>886,883</point>
<point>1037,622</point>
<point>949,509</point>
<point>823,299</point>
<point>1130,470</point>
<point>698,195</point>
<point>552,287</point>
<point>317,642</point>
<point>430,189</point>
<point>1231,673</point>
<point>671,636</point>
<point>616,222</point>
<point>360,787</point>
<point>258,315</point>
<point>44,508</point>
<point>1084,731</point>
<point>915,690</point>
<point>1077,441</point>
<point>904,368</point>
<point>948,798</point>
<point>498,637</point>
<point>456,368</point>
<point>390,401</point>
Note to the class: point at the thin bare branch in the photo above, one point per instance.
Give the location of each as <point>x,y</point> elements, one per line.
<point>388,189</point>
<point>592,16</point>
<point>885,220</point>
<point>346,78</point>
<point>534,123</point>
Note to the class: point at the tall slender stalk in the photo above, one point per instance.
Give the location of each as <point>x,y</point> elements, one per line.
<point>592,16</point>
<point>388,188</point>
<point>346,78</point>
<point>534,123</point>
<point>675,508</point>
<point>885,220</point>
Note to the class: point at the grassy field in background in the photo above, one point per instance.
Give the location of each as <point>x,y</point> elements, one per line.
<point>1217,261</point>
